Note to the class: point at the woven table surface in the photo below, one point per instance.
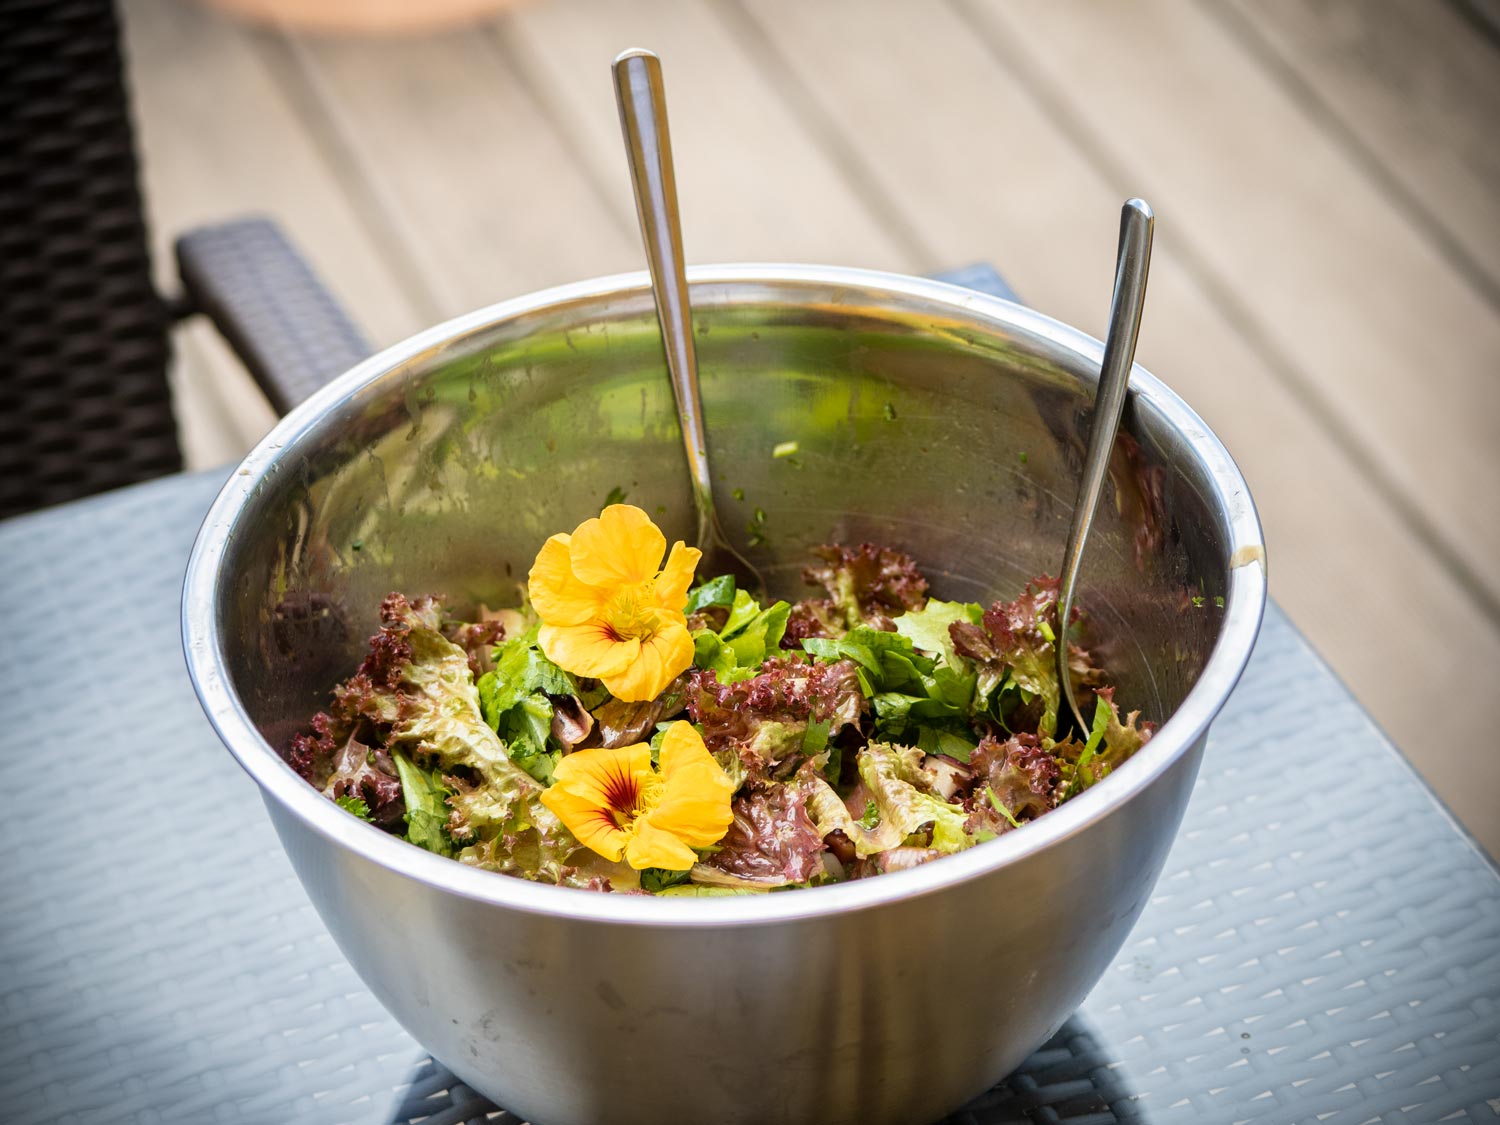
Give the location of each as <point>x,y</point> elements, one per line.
<point>1323,946</point>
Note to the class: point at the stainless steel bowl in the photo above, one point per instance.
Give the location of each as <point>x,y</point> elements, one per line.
<point>928,417</point>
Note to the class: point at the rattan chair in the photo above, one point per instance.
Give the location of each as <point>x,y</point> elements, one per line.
<point>84,334</point>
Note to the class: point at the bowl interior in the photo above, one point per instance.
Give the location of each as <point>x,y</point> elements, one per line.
<point>948,425</point>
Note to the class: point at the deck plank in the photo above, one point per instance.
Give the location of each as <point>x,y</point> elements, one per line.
<point>244,149</point>
<point>1413,92</point>
<point>1048,219</point>
<point>752,184</point>
<point>481,195</point>
<point>1352,307</point>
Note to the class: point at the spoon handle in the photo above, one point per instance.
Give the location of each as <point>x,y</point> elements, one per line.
<point>1132,263</point>
<point>643,119</point>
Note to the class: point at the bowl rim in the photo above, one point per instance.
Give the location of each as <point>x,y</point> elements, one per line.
<point>1245,601</point>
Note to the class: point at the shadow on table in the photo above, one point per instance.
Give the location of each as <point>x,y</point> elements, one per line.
<point>1068,1077</point>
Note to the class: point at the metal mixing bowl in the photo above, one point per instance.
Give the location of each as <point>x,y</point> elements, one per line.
<point>927,417</point>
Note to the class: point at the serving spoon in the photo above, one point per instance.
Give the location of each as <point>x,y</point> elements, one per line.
<point>1132,263</point>
<point>643,120</point>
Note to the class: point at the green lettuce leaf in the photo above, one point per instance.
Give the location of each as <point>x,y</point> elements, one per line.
<point>504,827</point>
<point>713,654</point>
<point>514,701</point>
<point>758,637</point>
<point>750,635</point>
<point>719,591</point>
<point>999,806</point>
<point>915,697</point>
<point>957,743</point>
<point>441,721</point>
<point>742,611</point>
<point>815,741</point>
<point>887,662</point>
<point>426,810</point>
<point>499,823</point>
<point>928,628</point>
<point>1112,740</point>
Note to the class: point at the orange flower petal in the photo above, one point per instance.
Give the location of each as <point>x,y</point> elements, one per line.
<point>556,593</point>
<point>593,790</point>
<point>593,826</point>
<point>682,747</point>
<point>620,548</point>
<point>675,578</point>
<point>653,847</point>
<point>606,777</point>
<point>695,801</point>
<point>665,656</point>
<point>589,649</point>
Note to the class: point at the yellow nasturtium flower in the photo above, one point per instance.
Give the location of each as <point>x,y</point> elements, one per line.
<point>610,609</point>
<point>617,805</point>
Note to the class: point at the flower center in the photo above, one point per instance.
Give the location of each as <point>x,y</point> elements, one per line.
<point>631,796</point>
<point>630,615</point>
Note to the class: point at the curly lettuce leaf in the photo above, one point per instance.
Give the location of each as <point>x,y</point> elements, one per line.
<point>441,721</point>
<point>866,585</point>
<point>1111,742</point>
<point>1018,778</point>
<point>479,638</point>
<point>367,704</point>
<point>771,840</point>
<point>894,781</point>
<point>788,711</point>
<point>501,826</point>
<point>363,780</point>
<point>345,754</point>
<point>1013,648</point>
<point>492,809</point>
<point>812,617</point>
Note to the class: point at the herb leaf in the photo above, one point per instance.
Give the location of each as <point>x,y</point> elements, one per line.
<point>356,805</point>
<point>656,879</point>
<point>426,807</point>
<point>718,591</point>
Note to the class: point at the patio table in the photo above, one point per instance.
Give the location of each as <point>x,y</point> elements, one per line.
<point>1323,945</point>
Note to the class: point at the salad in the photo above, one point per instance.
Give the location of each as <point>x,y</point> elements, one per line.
<point>633,727</point>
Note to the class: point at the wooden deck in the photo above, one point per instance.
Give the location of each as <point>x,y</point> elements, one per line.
<point>1326,287</point>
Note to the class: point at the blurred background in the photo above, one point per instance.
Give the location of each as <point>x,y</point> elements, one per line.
<point>1325,289</point>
